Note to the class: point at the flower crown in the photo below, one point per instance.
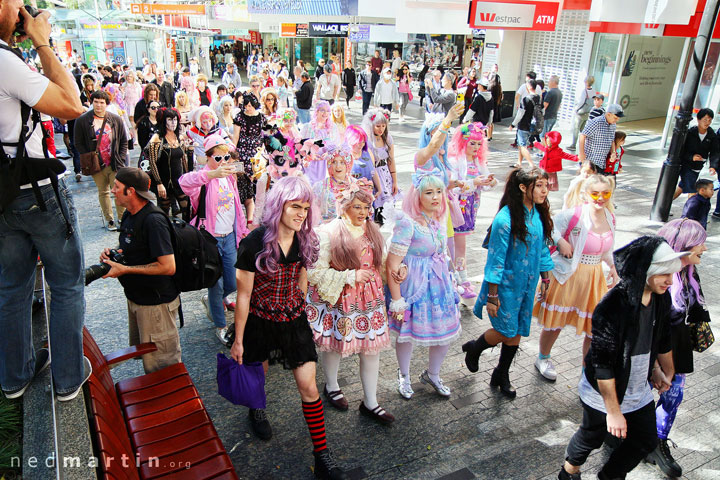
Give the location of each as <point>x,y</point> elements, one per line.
<point>384,112</point>
<point>346,192</point>
<point>471,128</point>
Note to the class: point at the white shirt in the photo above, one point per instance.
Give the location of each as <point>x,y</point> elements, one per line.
<point>523,91</point>
<point>225,220</point>
<point>19,83</point>
<point>327,86</point>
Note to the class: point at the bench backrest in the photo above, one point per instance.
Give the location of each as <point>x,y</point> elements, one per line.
<point>112,441</point>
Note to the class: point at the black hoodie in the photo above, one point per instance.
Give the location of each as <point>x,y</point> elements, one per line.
<point>615,326</point>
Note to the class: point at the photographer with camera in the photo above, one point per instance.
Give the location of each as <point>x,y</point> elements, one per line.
<point>147,270</point>
<point>37,215</point>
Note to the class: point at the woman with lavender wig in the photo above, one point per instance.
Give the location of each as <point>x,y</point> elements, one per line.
<point>270,319</point>
<point>320,127</point>
<point>688,306</point>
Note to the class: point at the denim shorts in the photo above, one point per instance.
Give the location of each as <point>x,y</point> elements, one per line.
<point>688,177</point>
<point>523,138</point>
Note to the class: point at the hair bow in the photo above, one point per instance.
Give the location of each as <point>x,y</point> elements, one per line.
<point>471,128</point>
<point>420,175</point>
<point>346,191</point>
<point>385,113</point>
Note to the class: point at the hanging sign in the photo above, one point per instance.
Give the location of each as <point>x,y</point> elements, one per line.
<point>514,14</point>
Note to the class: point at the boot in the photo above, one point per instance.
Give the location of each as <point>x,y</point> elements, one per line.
<point>664,460</point>
<point>564,475</point>
<point>501,374</point>
<point>472,350</point>
<point>326,468</point>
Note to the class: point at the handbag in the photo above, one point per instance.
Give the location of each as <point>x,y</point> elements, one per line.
<point>410,96</point>
<point>456,215</point>
<point>702,336</point>
<point>241,384</point>
<point>90,161</point>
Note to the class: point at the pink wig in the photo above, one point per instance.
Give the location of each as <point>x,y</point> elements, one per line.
<point>287,189</point>
<point>411,202</point>
<point>322,105</point>
<point>344,249</point>
<point>458,144</point>
<point>354,134</point>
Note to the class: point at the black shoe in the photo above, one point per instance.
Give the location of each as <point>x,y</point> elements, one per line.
<point>716,214</point>
<point>326,468</point>
<point>604,476</point>
<point>563,475</point>
<point>472,350</point>
<point>260,424</point>
<point>42,361</point>
<point>501,378</point>
<point>662,457</point>
<point>378,414</point>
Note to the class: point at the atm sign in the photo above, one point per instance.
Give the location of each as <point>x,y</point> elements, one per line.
<point>514,14</point>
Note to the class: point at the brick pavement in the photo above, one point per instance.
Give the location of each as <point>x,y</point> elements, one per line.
<point>475,433</point>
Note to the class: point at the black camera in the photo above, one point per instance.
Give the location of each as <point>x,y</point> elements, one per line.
<point>20,27</point>
<point>94,272</point>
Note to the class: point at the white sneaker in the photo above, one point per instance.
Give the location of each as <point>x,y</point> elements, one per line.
<point>206,302</point>
<point>404,387</point>
<point>546,368</point>
<point>221,333</point>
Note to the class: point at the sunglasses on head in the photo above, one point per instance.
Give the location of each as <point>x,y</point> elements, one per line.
<point>220,158</point>
<point>597,195</point>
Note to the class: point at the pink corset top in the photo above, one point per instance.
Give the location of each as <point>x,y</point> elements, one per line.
<point>598,243</point>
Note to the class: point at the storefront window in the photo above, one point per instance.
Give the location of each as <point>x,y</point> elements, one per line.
<point>604,58</point>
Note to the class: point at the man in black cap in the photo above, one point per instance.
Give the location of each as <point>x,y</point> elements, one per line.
<point>146,271</point>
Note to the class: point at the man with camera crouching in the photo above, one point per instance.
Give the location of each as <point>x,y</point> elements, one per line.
<point>146,273</point>
<point>37,216</point>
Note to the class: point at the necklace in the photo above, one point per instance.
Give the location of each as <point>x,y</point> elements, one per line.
<point>437,241</point>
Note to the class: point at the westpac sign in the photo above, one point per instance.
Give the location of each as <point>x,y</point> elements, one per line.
<point>513,14</point>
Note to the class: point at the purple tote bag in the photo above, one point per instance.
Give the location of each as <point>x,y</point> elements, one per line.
<point>241,384</point>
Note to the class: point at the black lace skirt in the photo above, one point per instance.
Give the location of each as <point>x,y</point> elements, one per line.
<point>288,343</point>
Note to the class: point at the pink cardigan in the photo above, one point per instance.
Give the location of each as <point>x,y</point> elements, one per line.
<point>191,184</point>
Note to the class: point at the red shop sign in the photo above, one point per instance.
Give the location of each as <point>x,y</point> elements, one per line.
<point>514,14</point>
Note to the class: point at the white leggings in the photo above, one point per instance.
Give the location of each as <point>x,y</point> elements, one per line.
<point>369,368</point>
<point>403,351</point>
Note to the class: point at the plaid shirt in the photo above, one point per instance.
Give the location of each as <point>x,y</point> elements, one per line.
<point>277,297</point>
<point>599,139</point>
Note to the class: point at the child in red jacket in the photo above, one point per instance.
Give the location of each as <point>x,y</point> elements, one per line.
<point>554,155</point>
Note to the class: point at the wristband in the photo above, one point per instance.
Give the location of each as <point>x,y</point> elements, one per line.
<point>545,280</point>
<point>40,46</point>
<point>399,305</point>
<point>490,295</point>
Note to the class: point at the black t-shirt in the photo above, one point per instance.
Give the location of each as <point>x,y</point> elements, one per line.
<point>553,97</point>
<point>252,245</point>
<point>146,289</point>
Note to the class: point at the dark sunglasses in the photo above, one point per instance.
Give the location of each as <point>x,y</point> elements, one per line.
<point>153,108</point>
<point>220,158</point>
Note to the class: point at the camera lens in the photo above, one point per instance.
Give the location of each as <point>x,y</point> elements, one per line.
<point>20,27</point>
<point>94,272</point>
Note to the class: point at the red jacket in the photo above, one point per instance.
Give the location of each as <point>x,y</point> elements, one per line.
<point>554,155</point>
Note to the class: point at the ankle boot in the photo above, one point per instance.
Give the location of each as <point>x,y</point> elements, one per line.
<point>501,374</point>
<point>662,457</point>
<point>472,350</point>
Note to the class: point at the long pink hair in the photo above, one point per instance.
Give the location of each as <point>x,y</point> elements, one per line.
<point>344,249</point>
<point>458,144</point>
<point>287,189</point>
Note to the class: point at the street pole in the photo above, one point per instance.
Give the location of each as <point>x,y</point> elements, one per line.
<point>102,37</point>
<point>671,167</point>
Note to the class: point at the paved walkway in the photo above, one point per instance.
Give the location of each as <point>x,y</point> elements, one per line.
<point>475,433</point>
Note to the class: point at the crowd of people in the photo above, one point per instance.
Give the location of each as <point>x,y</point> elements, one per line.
<point>323,256</point>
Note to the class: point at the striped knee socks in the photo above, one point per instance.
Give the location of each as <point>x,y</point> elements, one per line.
<point>315,419</point>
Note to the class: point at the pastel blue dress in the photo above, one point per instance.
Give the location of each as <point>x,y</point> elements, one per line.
<point>434,316</point>
<point>515,267</point>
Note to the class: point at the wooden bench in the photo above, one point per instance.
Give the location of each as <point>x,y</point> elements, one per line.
<point>152,426</point>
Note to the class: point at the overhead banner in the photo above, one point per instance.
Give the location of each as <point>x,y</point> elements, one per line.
<point>320,29</point>
<point>303,7</point>
<point>294,30</point>
<point>166,9</point>
<point>514,15</point>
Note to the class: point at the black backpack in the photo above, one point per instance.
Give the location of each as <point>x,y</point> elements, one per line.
<point>538,116</point>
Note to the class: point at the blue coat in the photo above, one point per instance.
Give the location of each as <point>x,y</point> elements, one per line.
<point>515,267</point>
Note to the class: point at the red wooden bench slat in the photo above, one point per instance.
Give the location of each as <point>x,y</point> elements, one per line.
<point>161,390</point>
<point>157,419</point>
<point>150,379</point>
<point>177,444</point>
<point>101,407</point>
<point>181,460</point>
<point>161,404</point>
<point>162,432</point>
<point>113,449</point>
<point>207,469</point>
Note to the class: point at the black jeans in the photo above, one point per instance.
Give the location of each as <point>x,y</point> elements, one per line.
<point>641,439</point>
<point>387,106</point>
<point>367,97</point>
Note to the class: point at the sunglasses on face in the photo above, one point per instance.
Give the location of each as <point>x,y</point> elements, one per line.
<point>154,108</point>
<point>255,86</point>
<point>220,158</point>
<point>597,195</point>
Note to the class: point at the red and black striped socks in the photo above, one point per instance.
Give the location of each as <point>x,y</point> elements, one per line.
<point>315,419</point>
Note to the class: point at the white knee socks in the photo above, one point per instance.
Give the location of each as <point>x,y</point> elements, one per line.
<point>369,368</point>
<point>330,365</point>
<point>403,351</point>
<point>437,355</point>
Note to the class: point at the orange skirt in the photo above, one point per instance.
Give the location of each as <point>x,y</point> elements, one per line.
<point>573,302</point>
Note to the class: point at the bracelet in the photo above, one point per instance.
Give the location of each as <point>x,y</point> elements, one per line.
<point>443,131</point>
<point>393,172</point>
<point>494,302</point>
<point>445,125</point>
<point>545,280</point>
<point>40,46</point>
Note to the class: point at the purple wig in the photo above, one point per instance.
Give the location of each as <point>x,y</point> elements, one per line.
<point>287,189</point>
<point>322,105</point>
<point>682,234</point>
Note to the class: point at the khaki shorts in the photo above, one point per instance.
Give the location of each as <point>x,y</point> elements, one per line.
<point>156,323</point>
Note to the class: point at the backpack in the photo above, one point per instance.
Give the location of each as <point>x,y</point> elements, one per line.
<point>538,116</point>
<point>586,106</point>
<point>197,259</point>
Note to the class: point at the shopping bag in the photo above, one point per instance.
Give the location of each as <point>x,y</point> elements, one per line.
<point>241,384</point>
